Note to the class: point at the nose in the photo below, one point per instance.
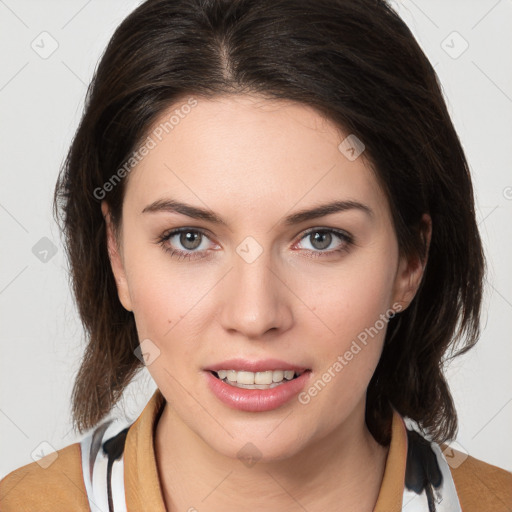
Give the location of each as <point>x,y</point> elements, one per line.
<point>255,299</point>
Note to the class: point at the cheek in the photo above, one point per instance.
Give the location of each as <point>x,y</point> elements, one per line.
<point>354,299</point>
<point>170,307</point>
<point>154,306</point>
<point>356,308</point>
<point>165,315</point>
<point>162,292</point>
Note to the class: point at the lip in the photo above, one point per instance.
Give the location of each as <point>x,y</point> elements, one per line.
<point>256,400</point>
<point>262,365</point>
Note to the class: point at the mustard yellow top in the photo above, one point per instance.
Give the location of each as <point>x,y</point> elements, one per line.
<point>481,487</point>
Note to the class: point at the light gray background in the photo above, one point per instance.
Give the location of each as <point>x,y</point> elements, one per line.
<point>41,101</point>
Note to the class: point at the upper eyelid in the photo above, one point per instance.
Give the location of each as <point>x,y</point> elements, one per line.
<point>336,231</point>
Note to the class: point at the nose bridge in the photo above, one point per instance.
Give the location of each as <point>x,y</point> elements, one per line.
<point>256,299</point>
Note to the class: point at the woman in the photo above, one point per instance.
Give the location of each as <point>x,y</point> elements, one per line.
<point>266,204</point>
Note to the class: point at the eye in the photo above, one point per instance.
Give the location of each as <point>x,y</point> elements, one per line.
<point>190,239</point>
<point>194,245</point>
<point>323,238</point>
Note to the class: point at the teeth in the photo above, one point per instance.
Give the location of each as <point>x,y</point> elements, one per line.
<point>263,377</point>
<point>245,378</point>
<point>277,375</point>
<point>266,379</point>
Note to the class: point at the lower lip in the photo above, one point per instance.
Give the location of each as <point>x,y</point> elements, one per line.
<point>256,400</point>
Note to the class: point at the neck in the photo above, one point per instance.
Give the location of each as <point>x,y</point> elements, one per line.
<point>342,471</point>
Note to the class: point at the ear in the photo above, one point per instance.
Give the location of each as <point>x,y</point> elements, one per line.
<point>116,260</point>
<point>411,268</point>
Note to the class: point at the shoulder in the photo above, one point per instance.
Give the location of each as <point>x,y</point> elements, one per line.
<point>54,481</point>
<point>480,486</point>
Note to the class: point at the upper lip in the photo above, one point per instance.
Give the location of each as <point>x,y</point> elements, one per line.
<point>261,365</point>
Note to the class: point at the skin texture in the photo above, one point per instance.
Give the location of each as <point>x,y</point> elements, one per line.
<point>254,161</point>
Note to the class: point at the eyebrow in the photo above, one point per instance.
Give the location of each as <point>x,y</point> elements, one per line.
<point>173,206</point>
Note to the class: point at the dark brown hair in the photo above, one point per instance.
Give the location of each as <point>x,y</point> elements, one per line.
<point>357,63</point>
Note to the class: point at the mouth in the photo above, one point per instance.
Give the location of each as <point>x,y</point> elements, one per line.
<point>252,385</point>
<point>268,379</point>
<point>256,385</point>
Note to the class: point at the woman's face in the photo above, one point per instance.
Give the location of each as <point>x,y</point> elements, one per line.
<point>260,283</point>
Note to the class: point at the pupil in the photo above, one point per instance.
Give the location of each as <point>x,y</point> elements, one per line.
<point>324,237</point>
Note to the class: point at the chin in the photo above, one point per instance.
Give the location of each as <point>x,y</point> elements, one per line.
<point>257,445</point>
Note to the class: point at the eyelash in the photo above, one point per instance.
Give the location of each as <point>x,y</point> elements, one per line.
<point>347,240</point>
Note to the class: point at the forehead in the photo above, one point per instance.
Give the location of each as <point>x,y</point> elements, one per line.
<point>251,153</point>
